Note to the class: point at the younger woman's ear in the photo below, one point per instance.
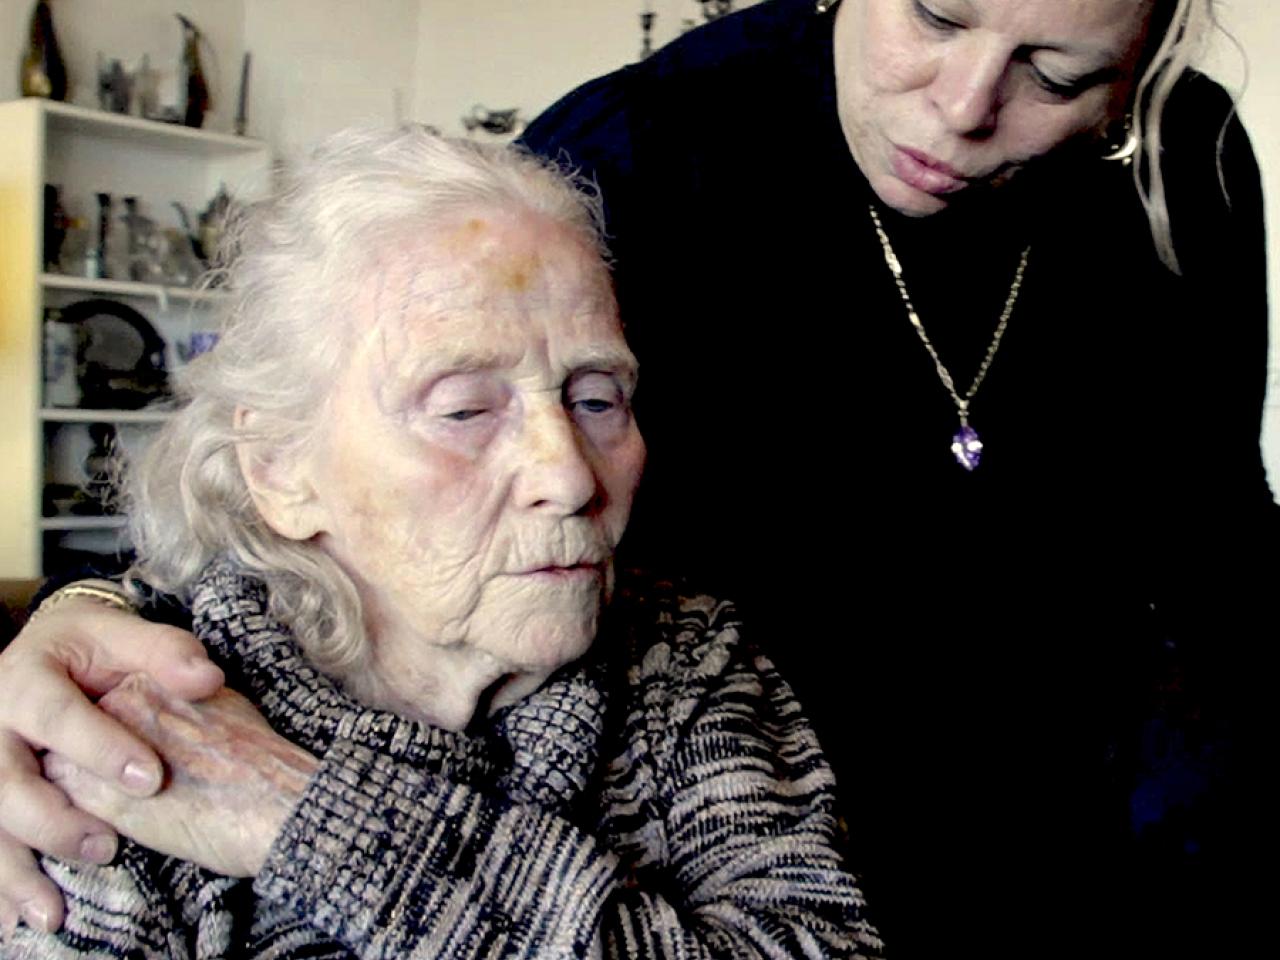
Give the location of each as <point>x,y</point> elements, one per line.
<point>280,485</point>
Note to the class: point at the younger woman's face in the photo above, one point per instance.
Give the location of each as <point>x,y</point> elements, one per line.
<point>939,97</point>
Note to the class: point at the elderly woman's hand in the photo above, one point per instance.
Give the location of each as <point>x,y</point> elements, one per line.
<point>76,647</point>
<point>230,780</point>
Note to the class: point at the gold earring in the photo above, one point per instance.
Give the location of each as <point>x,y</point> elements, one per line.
<point>1127,148</point>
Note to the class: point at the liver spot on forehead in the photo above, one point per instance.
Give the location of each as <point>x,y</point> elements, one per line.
<point>516,273</point>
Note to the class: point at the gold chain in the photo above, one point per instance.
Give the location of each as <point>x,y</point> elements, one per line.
<point>895,267</point>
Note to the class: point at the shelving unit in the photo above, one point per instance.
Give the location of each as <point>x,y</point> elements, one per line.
<point>129,288</point>
<point>84,152</point>
<point>82,415</point>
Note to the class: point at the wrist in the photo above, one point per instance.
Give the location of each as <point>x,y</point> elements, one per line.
<point>105,593</point>
<point>291,772</point>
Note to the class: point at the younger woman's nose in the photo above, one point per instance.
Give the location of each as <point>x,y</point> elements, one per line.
<point>968,88</point>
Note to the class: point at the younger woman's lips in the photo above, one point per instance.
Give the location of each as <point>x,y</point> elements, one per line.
<point>925,173</point>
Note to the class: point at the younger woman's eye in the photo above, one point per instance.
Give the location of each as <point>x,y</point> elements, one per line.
<point>1065,89</point>
<point>935,20</point>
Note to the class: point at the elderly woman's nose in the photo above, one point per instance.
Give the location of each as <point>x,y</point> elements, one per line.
<point>968,88</point>
<point>555,473</point>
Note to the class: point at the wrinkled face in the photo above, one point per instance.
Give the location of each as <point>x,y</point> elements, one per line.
<point>939,99</point>
<point>480,461</point>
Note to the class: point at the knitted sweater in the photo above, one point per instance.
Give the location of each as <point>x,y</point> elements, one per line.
<point>664,798</point>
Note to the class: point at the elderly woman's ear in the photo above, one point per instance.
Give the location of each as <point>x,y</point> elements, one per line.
<point>280,485</point>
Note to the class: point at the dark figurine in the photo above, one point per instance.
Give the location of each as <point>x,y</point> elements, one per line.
<point>55,227</point>
<point>43,73</point>
<point>197,85</point>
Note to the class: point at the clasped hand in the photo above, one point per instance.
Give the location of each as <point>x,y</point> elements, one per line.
<point>230,781</point>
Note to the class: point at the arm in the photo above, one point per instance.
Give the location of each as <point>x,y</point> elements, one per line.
<point>733,797</point>
<point>72,651</point>
<point>393,862</point>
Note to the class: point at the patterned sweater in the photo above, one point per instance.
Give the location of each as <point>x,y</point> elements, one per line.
<point>663,798</point>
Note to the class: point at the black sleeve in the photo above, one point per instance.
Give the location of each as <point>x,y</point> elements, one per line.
<point>1217,608</point>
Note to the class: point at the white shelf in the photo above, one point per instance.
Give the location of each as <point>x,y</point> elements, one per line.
<point>150,133</point>
<point>85,152</point>
<point>83,523</point>
<point>128,288</point>
<point>82,415</point>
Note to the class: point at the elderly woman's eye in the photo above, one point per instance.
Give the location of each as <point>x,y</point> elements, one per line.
<point>594,398</point>
<point>595,405</point>
<point>461,416</point>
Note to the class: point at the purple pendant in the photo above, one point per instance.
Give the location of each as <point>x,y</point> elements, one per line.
<point>966,446</point>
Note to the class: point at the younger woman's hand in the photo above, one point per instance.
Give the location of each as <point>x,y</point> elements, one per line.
<point>75,650</point>
<point>230,780</point>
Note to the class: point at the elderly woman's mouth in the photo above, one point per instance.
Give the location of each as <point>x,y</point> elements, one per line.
<point>567,572</point>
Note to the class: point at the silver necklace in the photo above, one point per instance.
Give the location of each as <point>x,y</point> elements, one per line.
<point>966,445</point>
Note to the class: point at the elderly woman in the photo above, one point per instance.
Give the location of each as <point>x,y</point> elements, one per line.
<point>392,501</point>
<point>960,395</point>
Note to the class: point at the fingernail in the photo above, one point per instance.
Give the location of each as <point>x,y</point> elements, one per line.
<point>140,777</point>
<point>98,848</point>
<point>36,916</point>
<point>55,767</point>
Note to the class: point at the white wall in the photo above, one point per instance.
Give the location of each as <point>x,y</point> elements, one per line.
<point>319,65</point>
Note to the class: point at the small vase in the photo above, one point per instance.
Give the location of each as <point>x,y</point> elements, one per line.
<point>43,72</point>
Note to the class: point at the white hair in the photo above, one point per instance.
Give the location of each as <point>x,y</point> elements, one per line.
<point>296,262</point>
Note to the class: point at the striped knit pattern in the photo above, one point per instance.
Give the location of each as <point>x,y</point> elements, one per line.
<point>664,798</point>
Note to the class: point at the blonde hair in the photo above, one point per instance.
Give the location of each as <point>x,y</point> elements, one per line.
<point>1181,42</point>
<point>299,259</point>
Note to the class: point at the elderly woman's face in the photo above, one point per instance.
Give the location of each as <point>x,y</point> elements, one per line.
<point>938,97</point>
<point>481,458</point>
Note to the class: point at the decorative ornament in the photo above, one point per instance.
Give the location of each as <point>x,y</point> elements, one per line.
<point>197,87</point>
<point>966,445</point>
<point>647,16</point>
<point>497,122</point>
<point>715,9</point>
<point>43,72</point>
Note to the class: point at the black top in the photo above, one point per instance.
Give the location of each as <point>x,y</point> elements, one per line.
<point>1031,679</point>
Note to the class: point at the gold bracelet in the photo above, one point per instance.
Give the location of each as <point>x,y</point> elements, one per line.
<point>102,591</point>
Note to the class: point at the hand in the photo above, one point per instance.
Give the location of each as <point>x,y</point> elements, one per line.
<point>232,781</point>
<point>75,648</point>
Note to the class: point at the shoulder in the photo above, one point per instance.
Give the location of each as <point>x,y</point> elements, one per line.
<point>1212,182</point>
<point>599,121</point>
<point>675,633</point>
<point>688,660</point>
<point>1207,158</point>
